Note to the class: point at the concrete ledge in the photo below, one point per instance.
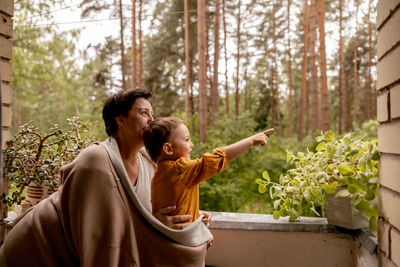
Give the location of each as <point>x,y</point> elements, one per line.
<point>259,240</point>
<point>265,222</point>
<point>247,221</point>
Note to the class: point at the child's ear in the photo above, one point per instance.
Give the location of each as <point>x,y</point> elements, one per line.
<point>167,149</point>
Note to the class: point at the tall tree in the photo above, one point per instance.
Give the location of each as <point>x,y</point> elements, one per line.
<point>314,73</point>
<point>275,81</point>
<point>246,88</point>
<point>355,70</point>
<point>93,6</point>
<point>325,116</point>
<point>201,43</point>
<point>208,62</point>
<point>122,47</point>
<point>226,61</point>
<point>369,84</point>
<point>272,96</point>
<point>133,53</point>
<point>290,85</point>
<point>343,111</point>
<point>187,60</point>
<point>304,73</point>
<point>215,84</point>
<point>237,62</point>
<point>140,45</point>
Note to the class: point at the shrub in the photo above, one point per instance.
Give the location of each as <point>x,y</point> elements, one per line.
<point>36,157</point>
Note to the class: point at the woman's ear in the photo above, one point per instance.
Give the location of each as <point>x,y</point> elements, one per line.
<point>120,119</point>
<point>167,149</point>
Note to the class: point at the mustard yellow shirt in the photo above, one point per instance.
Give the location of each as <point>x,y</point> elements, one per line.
<point>176,183</point>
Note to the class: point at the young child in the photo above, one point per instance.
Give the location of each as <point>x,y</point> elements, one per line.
<point>176,180</point>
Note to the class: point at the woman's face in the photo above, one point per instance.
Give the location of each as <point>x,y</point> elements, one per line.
<point>139,116</point>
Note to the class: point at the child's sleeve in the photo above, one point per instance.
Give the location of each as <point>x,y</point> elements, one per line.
<point>199,170</point>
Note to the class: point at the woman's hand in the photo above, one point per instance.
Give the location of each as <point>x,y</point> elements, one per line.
<point>176,222</point>
<point>206,218</point>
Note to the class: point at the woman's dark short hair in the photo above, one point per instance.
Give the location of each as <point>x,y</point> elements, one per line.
<point>119,104</point>
<point>157,133</point>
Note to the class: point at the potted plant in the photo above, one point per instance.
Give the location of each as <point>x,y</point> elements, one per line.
<point>340,169</point>
<point>32,160</point>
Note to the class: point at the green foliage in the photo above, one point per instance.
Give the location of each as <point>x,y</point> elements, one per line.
<point>33,156</point>
<point>48,73</point>
<point>164,56</point>
<point>346,167</point>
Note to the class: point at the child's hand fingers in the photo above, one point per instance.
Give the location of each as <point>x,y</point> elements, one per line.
<point>269,131</point>
<point>264,141</point>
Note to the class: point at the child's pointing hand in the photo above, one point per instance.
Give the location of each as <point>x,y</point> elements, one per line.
<point>261,138</point>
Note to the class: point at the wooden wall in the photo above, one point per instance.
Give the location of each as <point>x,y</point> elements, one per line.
<point>6,30</point>
<point>388,115</point>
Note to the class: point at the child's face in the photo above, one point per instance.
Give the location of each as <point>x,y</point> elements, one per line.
<point>180,142</point>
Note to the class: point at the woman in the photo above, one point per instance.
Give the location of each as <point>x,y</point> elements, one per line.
<point>100,216</point>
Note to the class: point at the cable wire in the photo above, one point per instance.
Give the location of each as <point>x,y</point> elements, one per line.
<point>53,11</point>
<point>97,20</point>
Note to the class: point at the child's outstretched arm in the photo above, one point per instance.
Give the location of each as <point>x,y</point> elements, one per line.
<point>238,148</point>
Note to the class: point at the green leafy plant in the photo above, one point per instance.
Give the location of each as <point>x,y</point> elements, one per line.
<point>346,167</point>
<point>36,157</point>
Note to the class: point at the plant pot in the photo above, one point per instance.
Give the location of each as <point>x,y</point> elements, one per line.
<point>340,212</point>
<point>35,192</point>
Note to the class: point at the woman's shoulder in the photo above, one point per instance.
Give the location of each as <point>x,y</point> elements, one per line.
<point>95,153</point>
<point>92,159</point>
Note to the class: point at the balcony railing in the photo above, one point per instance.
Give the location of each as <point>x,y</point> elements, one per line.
<point>259,240</point>
<point>242,239</point>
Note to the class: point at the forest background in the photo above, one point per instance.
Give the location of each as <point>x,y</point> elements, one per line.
<point>238,68</point>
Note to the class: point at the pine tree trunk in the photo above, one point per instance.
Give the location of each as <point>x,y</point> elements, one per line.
<point>369,85</point>
<point>304,74</point>
<point>290,75</point>
<point>201,42</point>
<point>122,47</point>
<point>307,107</point>
<point>226,62</point>
<point>187,60</point>
<point>133,53</point>
<point>314,72</point>
<point>237,63</point>
<point>272,99</point>
<point>355,70</point>
<point>325,114</point>
<point>343,111</point>
<point>215,84</point>
<point>245,90</point>
<point>140,46</point>
<point>275,77</point>
<point>209,72</point>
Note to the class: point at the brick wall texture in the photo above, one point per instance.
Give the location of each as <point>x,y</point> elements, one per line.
<point>388,114</point>
<point>6,26</point>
